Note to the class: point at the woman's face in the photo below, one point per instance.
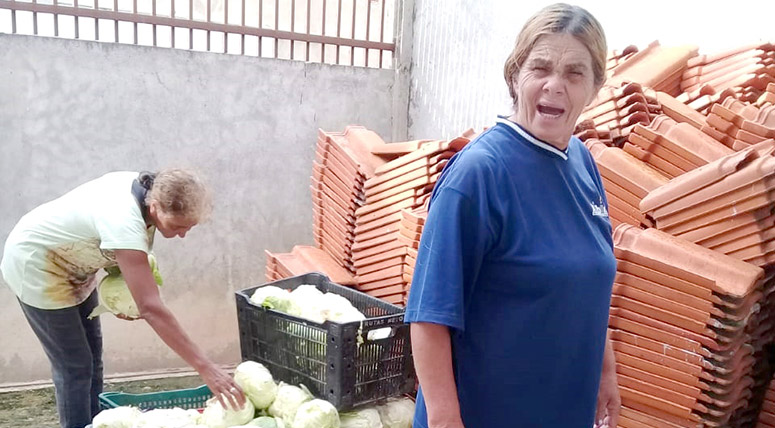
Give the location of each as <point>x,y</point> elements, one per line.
<point>553,86</point>
<point>170,225</point>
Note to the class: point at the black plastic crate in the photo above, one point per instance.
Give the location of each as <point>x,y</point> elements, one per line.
<point>337,362</point>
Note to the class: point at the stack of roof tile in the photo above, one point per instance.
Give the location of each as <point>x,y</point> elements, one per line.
<point>615,111</point>
<point>409,233</point>
<point>303,259</point>
<point>403,183</point>
<point>767,414</point>
<point>657,67</point>
<point>745,71</point>
<point>683,332</point>
<point>679,111</point>
<point>673,148</point>
<point>739,124</point>
<point>343,162</point>
<point>626,180</point>
<point>767,97</point>
<point>618,57</point>
<point>726,205</point>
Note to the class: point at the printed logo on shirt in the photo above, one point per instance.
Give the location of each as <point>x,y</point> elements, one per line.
<point>599,210</point>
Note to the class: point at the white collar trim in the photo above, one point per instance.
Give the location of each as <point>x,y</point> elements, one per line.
<point>535,141</point>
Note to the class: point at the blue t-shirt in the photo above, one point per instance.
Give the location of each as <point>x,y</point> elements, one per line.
<point>516,257</point>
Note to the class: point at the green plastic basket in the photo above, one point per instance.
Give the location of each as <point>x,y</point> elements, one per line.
<point>192,398</point>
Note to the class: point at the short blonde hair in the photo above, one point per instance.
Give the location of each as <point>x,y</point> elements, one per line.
<point>180,193</point>
<point>553,19</point>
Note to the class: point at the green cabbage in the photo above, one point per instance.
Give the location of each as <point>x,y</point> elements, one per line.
<point>168,418</point>
<point>115,296</point>
<point>288,400</point>
<point>397,413</point>
<point>216,416</point>
<point>316,414</point>
<point>257,383</point>
<point>361,418</point>
<point>119,417</point>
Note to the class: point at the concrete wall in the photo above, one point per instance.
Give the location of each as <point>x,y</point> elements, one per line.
<point>460,47</point>
<point>71,111</point>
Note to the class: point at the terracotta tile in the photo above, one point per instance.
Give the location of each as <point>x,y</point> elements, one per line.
<point>424,152</point>
<point>389,272</point>
<point>730,277</point>
<point>664,167</point>
<point>334,182</point>
<point>662,148</point>
<point>653,64</point>
<point>329,155</point>
<point>420,174</point>
<point>718,233</point>
<point>395,282</point>
<point>392,245</point>
<point>397,149</point>
<point>627,171</point>
<point>381,222</point>
<point>397,252</point>
<point>394,174</point>
<point>399,204</point>
<point>364,244</point>
<point>679,111</point>
<point>409,242</point>
<point>698,178</point>
<point>661,404</point>
<point>322,262</point>
<point>359,141</point>
<point>632,287</point>
<point>695,145</point>
<point>378,232</point>
<point>381,266</point>
<point>387,203</point>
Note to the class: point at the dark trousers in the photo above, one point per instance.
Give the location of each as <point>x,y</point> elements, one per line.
<point>73,345</point>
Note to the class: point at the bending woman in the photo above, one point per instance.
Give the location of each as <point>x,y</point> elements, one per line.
<point>51,258</point>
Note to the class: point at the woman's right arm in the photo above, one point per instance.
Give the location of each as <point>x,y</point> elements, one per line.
<point>432,353</point>
<point>137,274</point>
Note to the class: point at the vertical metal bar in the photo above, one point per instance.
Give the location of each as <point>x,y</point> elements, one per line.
<point>13,21</point>
<point>96,23</point>
<point>276,26</point>
<point>260,23</point>
<point>208,31</point>
<point>309,9</point>
<point>338,28</point>
<point>77,22</point>
<point>34,20</point>
<point>115,22</point>
<point>153,26</point>
<point>368,28</point>
<point>134,10</point>
<point>225,21</point>
<point>293,26</point>
<point>242,45</point>
<point>172,29</point>
<point>56,21</point>
<point>191,30</point>
<point>382,30</point>
<point>322,45</point>
<point>352,35</point>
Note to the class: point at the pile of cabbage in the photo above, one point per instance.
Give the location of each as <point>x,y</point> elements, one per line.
<point>268,405</point>
<point>309,303</point>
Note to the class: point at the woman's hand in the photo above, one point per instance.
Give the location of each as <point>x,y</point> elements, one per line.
<point>608,400</point>
<point>223,386</point>
<point>126,317</point>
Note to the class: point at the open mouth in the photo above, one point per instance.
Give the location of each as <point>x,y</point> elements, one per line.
<point>553,112</point>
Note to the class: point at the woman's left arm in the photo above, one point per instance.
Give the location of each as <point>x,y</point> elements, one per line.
<point>608,399</point>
